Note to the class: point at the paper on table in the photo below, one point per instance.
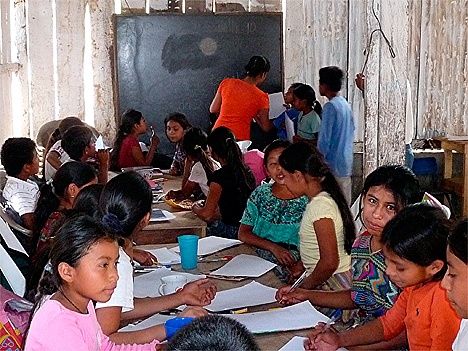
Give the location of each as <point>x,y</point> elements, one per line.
<point>212,244</point>
<point>252,294</point>
<point>290,132</point>
<point>165,256</point>
<point>276,104</point>
<point>148,322</point>
<point>297,344</point>
<point>300,316</point>
<point>245,266</point>
<point>158,215</point>
<point>147,285</point>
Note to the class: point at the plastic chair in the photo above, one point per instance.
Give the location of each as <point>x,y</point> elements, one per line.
<point>427,166</point>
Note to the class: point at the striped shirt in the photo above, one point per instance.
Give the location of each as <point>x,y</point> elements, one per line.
<point>21,195</point>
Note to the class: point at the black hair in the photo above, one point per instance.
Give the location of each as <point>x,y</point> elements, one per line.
<point>223,143</point>
<point>179,118</point>
<point>87,201</point>
<point>331,76</point>
<point>17,152</point>
<point>275,144</point>
<point>397,179</point>
<point>256,66</point>
<point>72,241</point>
<point>78,173</point>
<point>124,202</point>
<point>418,233</point>
<point>306,92</point>
<point>129,119</point>
<point>75,140</point>
<point>213,333</point>
<point>195,144</point>
<point>63,126</point>
<point>307,159</point>
<point>458,241</point>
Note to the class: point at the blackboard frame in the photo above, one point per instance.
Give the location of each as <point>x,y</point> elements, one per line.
<point>230,26</point>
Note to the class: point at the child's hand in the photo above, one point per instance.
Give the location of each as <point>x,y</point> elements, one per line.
<point>295,296</point>
<point>360,81</point>
<point>283,255</point>
<point>144,258</point>
<point>194,312</point>
<point>296,270</point>
<point>198,293</point>
<point>173,171</point>
<point>323,339</point>
<point>198,204</point>
<point>103,156</point>
<point>155,139</point>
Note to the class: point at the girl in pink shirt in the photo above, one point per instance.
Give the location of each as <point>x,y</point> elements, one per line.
<point>82,269</point>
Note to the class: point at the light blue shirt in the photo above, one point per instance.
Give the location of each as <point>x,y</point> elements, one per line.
<point>336,136</point>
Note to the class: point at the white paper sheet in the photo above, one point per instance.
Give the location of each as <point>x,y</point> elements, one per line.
<point>212,244</point>
<point>290,132</point>
<point>252,294</point>
<point>165,256</point>
<point>297,344</point>
<point>147,285</point>
<point>158,215</point>
<point>300,316</point>
<point>245,266</point>
<point>148,322</point>
<point>276,104</point>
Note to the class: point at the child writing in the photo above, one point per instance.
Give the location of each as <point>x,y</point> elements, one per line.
<point>229,187</point>
<point>455,281</point>
<point>386,191</point>
<point>82,269</point>
<point>327,230</point>
<point>291,112</point>
<point>127,151</point>
<point>308,121</point>
<point>195,145</point>
<point>176,126</point>
<point>125,205</point>
<point>414,246</point>
<point>273,215</point>
<point>20,160</point>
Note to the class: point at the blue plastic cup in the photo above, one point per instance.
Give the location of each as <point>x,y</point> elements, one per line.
<point>174,324</point>
<point>188,245</point>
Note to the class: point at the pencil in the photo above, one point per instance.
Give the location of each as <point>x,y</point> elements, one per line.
<point>299,281</point>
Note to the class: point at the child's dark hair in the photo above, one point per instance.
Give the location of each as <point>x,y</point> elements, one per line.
<point>256,66</point>
<point>306,92</point>
<point>129,118</point>
<point>195,144</point>
<point>458,241</point>
<point>213,333</point>
<point>397,179</point>
<point>418,233</point>
<point>75,140</point>
<point>63,126</point>
<point>72,241</point>
<point>17,152</point>
<point>87,201</point>
<point>331,76</point>
<point>223,143</point>
<point>179,118</point>
<point>275,144</point>
<point>307,159</point>
<point>124,202</point>
<point>78,173</point>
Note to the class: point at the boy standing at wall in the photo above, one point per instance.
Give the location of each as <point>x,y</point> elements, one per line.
<point>20,159</point>
<point>336,135</point>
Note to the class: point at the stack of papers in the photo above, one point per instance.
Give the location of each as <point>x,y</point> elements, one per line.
<point>245,266</point>
<point>165,256</point>
<point>212,244</point>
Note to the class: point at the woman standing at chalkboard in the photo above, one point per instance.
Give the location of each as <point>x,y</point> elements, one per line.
<point>238,101</point>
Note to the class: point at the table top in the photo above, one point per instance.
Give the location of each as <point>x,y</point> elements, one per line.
<point>267,341</point>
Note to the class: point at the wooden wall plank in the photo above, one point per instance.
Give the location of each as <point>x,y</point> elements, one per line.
<point>70,59</point>
<point>5,75</point>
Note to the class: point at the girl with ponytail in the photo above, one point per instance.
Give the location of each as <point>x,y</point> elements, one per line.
<point>308,125</point>
<point>229,187</point>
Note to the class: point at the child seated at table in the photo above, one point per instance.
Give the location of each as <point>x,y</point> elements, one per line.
<point>195,145</point>
<point>176,126</point>
<point>229,187</point>
<point>213,333</point>
<point>20,160</point>
<point>273,215</point>
<point>125,205</point>
<point>455,281</point>
<point>127,151</point>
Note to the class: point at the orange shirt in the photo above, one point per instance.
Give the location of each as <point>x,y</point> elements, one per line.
<point>240,103</point>
<point>430,321</point>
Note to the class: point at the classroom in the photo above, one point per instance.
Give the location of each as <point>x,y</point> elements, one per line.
<point>155,70</point>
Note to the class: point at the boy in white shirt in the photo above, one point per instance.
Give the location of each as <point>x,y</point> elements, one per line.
<point>20,160</point>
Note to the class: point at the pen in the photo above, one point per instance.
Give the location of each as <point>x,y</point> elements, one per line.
<point>332,320</point>
<point>220,259</point>
<point>298,282</point>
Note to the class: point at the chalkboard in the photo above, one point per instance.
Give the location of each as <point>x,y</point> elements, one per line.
<point>174,62</point>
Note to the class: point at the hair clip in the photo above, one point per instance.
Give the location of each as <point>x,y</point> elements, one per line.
<point>197,147</point>
<point>111,221</point>
<point>48,267</point>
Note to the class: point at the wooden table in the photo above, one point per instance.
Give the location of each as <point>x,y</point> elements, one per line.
<point>268,341</point>
<point>186,222</point>
<point>458,185</point>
